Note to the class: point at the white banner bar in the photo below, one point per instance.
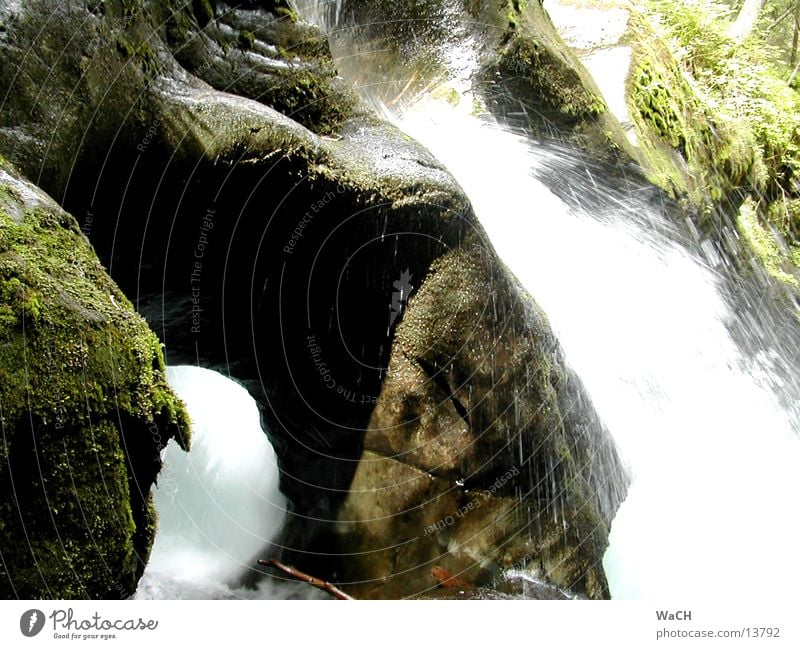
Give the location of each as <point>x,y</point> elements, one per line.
<point>490,624</point>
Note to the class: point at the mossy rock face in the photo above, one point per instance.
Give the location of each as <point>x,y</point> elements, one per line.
<point>530,70</point>
<point>84,406</point>
<point>711,160</point>
<point>258,50</point>
<point>688,150</point>
<point>778,259</point>
<point>475,426</point>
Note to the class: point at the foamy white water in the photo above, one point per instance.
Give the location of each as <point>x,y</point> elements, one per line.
<point>219,505</point>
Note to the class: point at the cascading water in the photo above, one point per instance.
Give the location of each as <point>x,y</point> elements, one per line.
<point>219,505</point>
<point>699,394</point>
<point>643,322</point>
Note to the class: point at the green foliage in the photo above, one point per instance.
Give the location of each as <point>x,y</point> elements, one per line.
<point>775,259</point>
<point>287,13</point>
<point>784,214</point>
<point>124,47</point>
<point>130,8</point>
<point>246,39</point>
<point>740,90</point>
<point>673,118</point>
<point>779,22</point>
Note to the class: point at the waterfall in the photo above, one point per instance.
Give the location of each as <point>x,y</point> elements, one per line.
<point>642,320</point>
<point>218,505</point>
<point>689,366</point>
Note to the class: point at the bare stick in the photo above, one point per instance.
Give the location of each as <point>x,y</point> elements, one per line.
<point>301,576</point>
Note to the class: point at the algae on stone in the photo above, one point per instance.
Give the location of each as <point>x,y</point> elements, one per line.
<point>84,408</point>
<point>777,262</point>
<point>715,122</point>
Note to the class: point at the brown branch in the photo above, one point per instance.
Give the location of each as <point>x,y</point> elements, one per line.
<point>780,19</point>
<point>301,576</point>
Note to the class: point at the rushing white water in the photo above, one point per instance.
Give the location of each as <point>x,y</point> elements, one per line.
<point>219,505</point>
<point>712,451</point>
<point>713,455</point>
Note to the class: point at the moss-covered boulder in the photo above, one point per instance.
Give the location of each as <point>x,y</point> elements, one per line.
<point>531,79</point>
<point>696,153</point>
<point>84,409</point>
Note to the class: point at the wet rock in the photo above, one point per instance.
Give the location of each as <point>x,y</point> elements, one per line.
<point>475,461</point>
<point>507,53</point>
<point>84,408</point>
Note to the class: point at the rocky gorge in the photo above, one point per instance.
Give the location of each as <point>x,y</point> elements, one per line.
<point>194,183</point>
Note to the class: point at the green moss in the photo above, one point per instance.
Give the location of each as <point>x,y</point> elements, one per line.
<point>307,96</point>
<point>784,214</point>
<point>690,149</point>
<point>142,53</point>
<point>721,106</point>
<point>531,66</point>
<point>131,8</point>
<point>763,244</point>
<point>82,390</point>
<point>178,26</point>
<point>77,513</point>
<point>515,10</point>
<point>555,83</point>
<point>288,13</point>
<point>124,47</point>
<point>20,302</point>
<point>512,17</point>
<point>246,39</point>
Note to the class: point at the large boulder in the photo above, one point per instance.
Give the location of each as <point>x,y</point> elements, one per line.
<point>480,456</point>
<point>84,409</point>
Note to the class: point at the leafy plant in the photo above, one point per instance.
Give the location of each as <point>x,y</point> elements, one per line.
<point>745,83</point>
